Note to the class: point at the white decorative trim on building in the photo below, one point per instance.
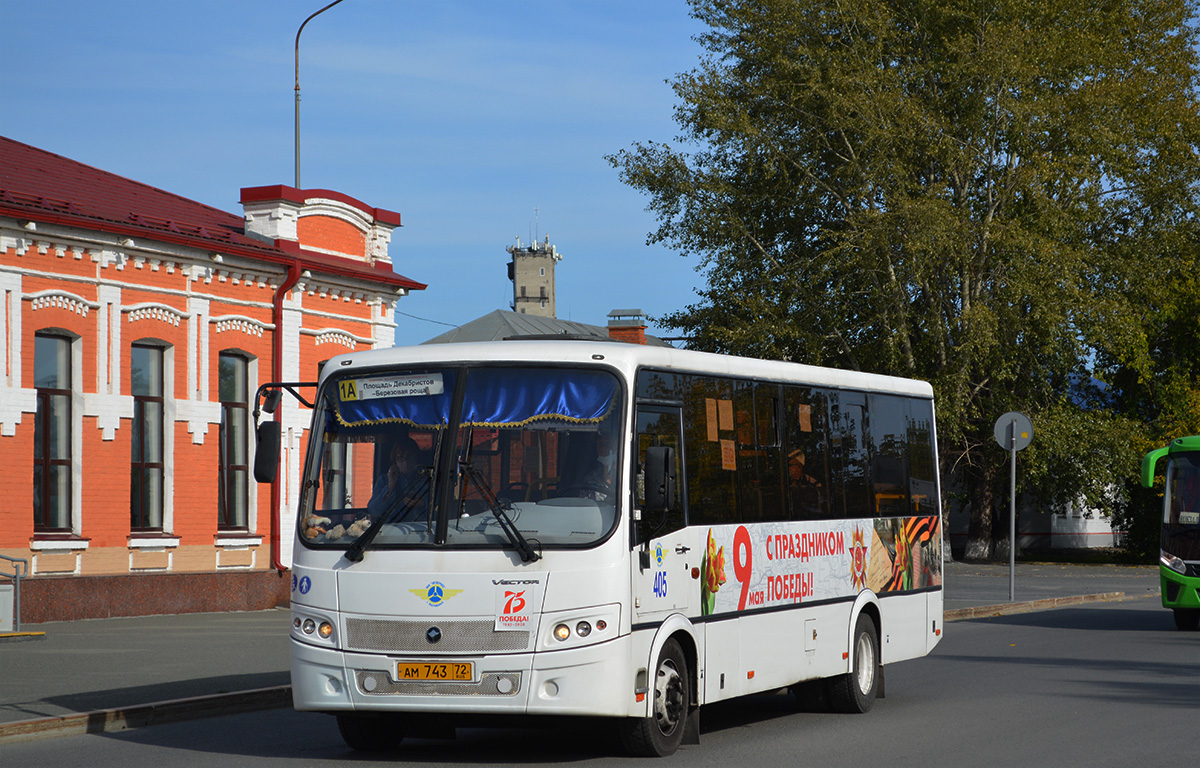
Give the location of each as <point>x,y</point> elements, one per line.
<point>56,299</point>
<point>238,544</point>
<point>153,311</point>
<point>246,325</point>
<point>42,547</point>
<point>15,401</point>
<point>58,545</point>
<point>272,220</point>
<point>108,410</point>
<point>336,336</point>
<point>198,414</point>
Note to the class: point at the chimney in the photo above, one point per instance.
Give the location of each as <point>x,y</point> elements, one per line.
<point>627,325</point>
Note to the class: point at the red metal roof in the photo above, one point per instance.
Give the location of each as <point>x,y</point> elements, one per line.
<point>45,187</point>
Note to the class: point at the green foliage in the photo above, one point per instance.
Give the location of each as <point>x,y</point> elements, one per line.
<point>1138,516</point>
<point>998,197</point>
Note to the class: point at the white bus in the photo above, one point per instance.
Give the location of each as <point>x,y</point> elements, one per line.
<point>605,529</point>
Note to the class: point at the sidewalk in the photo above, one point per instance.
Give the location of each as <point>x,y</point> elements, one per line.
<point>109,674</point>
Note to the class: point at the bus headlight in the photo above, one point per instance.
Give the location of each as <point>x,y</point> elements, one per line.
<point>310,628</point>
<point>1171,561</point>
<point>586,626</point>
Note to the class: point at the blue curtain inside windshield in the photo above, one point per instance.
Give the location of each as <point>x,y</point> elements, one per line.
<point>495,397</point>
<point>511,398</point>
<point>414,399</point>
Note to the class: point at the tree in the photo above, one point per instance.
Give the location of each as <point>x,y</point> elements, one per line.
<point>980,194</point>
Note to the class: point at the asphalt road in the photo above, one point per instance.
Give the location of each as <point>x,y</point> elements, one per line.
<point>1095,685</point>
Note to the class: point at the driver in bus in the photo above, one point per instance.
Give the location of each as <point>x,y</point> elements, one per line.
<point>598,482</point>
<point>400,484</point>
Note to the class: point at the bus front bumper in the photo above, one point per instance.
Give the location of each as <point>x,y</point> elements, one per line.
<point>1178,591</point>
<point>591,680</point>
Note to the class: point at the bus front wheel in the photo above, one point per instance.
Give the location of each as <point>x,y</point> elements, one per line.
<point>370,733</point>
<point>1187,619</point>
<point>855,691</point>
<point>660,734</point>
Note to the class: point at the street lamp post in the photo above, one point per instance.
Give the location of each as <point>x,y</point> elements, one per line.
<point>298,31</point>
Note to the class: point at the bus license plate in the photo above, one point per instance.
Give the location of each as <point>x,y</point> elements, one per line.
<point>456,671</point>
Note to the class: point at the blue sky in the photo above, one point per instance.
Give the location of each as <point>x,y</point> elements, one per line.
<point>464,117</point>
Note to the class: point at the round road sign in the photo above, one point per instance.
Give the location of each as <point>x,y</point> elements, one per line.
<point>1010,424</point>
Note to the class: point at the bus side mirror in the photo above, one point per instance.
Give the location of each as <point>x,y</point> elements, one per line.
<point>659,466</point>
<point>1149,463</point>
<point>266,451</point>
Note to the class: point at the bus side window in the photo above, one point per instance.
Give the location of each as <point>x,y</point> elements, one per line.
<point>807,450</point>
<point>889,454</point>
<point>922,462</point>
<point>711,459</point>
<point>658,427</point>
<point>848,430</point>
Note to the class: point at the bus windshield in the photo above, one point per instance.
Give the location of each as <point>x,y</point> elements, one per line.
<point>525,455</point>
<point>1181,508</point>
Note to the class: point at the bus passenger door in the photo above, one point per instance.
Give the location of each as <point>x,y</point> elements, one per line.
<point>667,555</point>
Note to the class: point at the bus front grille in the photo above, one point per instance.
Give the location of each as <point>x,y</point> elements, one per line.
<point>408,636</point>
<point>373,683</point>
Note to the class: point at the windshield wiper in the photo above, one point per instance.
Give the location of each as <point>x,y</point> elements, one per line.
<point>410,496</point>
<point>524,548</point>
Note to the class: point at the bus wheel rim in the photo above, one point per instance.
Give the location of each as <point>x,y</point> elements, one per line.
<point>668,697</point>
<point>866,663</point>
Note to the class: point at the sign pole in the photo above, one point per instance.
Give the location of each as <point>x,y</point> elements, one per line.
<point>1012,512</point>
<point>1013,432</point>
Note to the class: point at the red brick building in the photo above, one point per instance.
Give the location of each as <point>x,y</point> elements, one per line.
<point>135,327</point>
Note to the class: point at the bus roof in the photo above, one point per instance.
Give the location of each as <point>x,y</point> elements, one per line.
<point>627,358</point>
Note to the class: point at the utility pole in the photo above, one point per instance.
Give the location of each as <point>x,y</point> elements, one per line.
<point>310,18</point>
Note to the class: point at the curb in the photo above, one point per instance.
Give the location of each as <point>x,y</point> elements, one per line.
<point>16,637</point>
<point>176,710</point>
<point>1029,606</point>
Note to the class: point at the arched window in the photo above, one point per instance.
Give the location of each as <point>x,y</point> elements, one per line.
<point>234,472</point>
<point>146,453</point>
<point>52,434</point>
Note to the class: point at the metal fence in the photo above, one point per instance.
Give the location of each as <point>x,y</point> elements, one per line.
<point>10,592</point>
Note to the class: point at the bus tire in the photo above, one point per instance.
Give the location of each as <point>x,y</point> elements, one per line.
<point>1187,619</point>
<point>855,691</point>
<point>660,734</point>
<point>370,733</point>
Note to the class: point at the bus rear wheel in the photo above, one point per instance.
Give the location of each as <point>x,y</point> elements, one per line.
<point>855,691</point>
<point>370,733</point>
<point>1187,619</point>
<point>660,734</point>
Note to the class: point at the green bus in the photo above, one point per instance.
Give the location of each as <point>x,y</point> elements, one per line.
<point>1179,555</point>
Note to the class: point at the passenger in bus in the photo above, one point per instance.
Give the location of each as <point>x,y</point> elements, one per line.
<point>400,485</point>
